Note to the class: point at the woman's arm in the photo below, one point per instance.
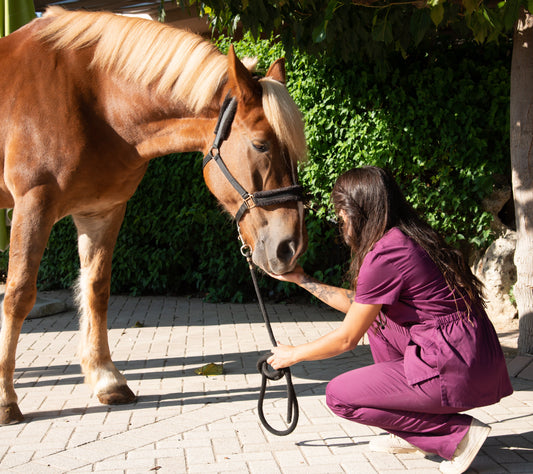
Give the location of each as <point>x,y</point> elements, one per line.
<point>345,338</point>
<point>338,298</point>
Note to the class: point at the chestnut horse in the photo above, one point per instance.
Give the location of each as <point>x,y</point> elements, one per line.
<point>87,99</point>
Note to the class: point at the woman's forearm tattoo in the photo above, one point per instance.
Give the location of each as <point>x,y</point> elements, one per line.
<point>323,291</point>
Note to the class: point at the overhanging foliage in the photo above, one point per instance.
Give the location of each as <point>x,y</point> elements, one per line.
<point>365,28</point>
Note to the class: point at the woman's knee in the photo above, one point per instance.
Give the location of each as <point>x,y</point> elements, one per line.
<point>335,402</point>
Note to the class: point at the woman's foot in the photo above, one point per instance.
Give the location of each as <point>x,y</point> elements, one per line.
<point>391,444</point>
<point>467,449</point>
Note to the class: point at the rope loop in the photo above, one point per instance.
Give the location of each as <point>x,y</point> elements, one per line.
<point>263,368</point>
<point>292,401</point>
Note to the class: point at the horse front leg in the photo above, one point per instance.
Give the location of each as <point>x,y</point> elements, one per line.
<point>30,229</point>
<point>97,235</point>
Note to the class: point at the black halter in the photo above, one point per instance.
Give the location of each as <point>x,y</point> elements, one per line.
<point>259,198</point>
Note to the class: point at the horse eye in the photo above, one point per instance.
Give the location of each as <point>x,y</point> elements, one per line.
<point>260,146</point>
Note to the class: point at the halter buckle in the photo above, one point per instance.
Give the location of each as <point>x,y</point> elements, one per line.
<point>250,201</point>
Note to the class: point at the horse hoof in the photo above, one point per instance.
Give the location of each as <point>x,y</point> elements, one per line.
<point>10,414</point>
<point>117,396</point>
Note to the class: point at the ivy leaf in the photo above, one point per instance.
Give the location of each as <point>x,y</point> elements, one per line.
<point>382,30</point>
<point>319,32</point>
<point>330,9</point>
<point>437,14</point>
<point>210,369</point>
<point>470,6</point>
<point>420,21</point>
<point>511,13</point>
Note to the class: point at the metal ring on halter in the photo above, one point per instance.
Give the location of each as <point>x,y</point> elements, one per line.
<point>246,251</point>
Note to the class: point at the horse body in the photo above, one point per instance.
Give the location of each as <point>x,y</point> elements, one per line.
<point>83,111</point>
<point>56,134</point>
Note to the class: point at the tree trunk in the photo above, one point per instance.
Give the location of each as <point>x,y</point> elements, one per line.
<point>14,14</point>
<point>522,169</point>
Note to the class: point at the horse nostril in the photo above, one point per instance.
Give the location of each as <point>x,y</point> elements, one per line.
<point>286,250</point>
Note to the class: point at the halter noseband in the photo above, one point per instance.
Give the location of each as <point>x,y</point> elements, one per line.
<point>259,198</point>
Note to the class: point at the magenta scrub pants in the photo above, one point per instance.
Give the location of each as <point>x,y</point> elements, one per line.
<point>379,395</point>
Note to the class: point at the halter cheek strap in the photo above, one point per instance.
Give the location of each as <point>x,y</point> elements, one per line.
<point>260,198</point>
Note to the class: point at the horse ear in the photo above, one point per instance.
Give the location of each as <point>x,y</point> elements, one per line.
<point>277,70</point>
<point>240,80</point>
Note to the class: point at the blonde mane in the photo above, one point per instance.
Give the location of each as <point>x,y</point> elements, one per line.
<point>175,62</point>
<point>284,117</point>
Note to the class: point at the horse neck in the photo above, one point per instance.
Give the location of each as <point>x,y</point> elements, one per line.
<point>154,124</point>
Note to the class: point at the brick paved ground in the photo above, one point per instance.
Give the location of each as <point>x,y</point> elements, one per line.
<point>187,423</point>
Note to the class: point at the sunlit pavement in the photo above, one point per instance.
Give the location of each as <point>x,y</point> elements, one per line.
<point>188,423</point>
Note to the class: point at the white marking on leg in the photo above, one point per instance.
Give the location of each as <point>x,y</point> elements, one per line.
<point>100,374</point>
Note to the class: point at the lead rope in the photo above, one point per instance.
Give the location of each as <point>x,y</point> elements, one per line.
<point>263,367</point>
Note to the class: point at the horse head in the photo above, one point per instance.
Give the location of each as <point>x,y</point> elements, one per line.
<point>260,150</point>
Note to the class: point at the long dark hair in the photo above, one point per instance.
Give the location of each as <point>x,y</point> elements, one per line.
<point>371,203</point>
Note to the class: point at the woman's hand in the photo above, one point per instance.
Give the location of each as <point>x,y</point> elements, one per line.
<point>296,276</point>
<point>282,356</point>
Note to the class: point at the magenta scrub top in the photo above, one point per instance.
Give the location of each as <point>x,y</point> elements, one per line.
<point>463,350</point>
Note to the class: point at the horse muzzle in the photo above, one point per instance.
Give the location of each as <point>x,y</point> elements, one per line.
<point>279,255</point>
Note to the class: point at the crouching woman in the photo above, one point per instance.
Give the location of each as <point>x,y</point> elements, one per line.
<point>436,352</point>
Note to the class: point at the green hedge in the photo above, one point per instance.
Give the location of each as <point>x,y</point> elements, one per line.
<point>439,122</point>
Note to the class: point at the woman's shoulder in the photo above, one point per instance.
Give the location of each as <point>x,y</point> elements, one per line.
<point>394,238</point>
<point>381,277</point>
<point>395,246</point>
<point>388,248</point>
